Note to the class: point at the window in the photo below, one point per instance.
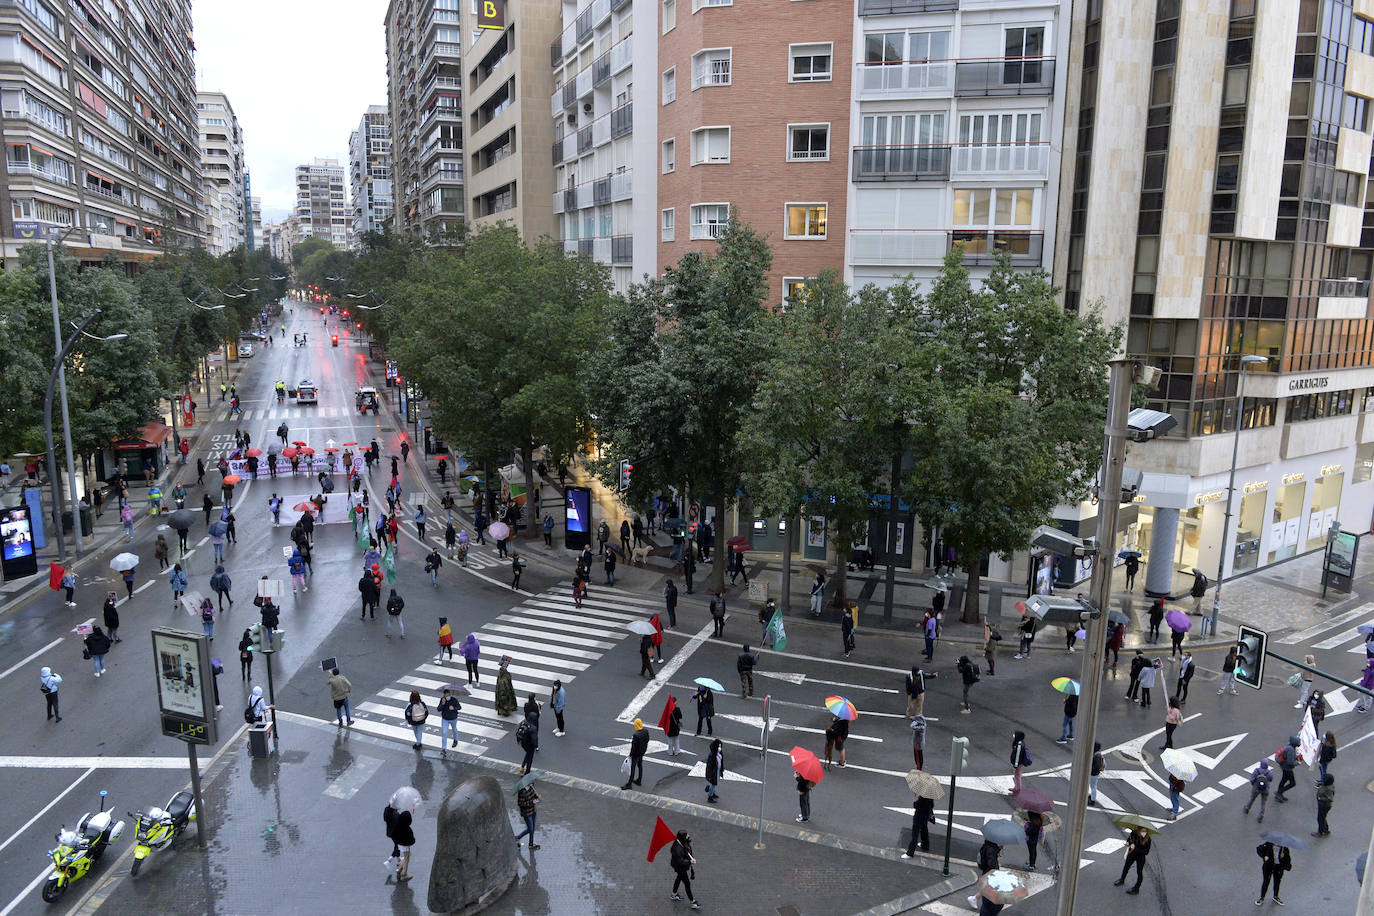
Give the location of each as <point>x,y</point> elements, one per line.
<point>708,220</point>
<point>669,15</point>
<point>995,128</point>
<point>805,221</point>
<point>668,218</point>
<point>809,63</point>
<point>1023,43</point>
<point>808,142</point>
<point>1356,115</point>
<point>669,85</point>
<point>985,208</point>
<point>711,67</point>
<point>710,145</point>
<point>669,156</point>
<point>904,130</point>
<point>793,291</point>
<point>698,4</point>
<point>26,52</point>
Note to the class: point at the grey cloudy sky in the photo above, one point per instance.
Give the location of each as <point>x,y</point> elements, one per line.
<point>299,74</point>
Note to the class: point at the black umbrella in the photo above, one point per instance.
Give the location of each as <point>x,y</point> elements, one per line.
<point>1115,616</point>
<point>182,519</point>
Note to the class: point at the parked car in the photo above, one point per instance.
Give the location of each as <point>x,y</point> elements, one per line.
<point>245,351</point>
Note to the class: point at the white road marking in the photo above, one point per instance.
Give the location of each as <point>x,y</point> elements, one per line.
<point>1106,847</point>
<point>646,693</point>
<point>21,663</point>
<point>1206,796</point>
<point>145,585</point>
<point>1235,781</point>
<point>1364,610</point>
<point>19,898</point>
<point>46,808</point>
<point>798,678</point>
<point>76,763</point>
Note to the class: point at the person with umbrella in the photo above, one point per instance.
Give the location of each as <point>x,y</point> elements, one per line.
<point>706,707</point>
<point>1176,787</point>
<point>525,800</point>
<point>399,819</point>
<point>1137,851</point>
<point>1367,682</point>
<point>1176,639</point>
<point>922,813</point>
<point>1070,714</point>
<point>1186,669</point>
<point>1274,861</point>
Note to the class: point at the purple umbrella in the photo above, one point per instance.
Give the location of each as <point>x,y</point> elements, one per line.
<point>1178,621</point>
<point>1032,800</point>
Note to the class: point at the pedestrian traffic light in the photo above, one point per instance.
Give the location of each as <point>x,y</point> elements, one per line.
<point>625,469</point>
<point>959,757</point>
<point>278,639</point>
<point>1250,648</point>
<point>255,637</point>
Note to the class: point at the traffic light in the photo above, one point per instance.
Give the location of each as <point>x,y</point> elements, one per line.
<point>1250,647</point>
<point>278,639</point>
<point>959,756</point>
<point>255,637</point>
<point>625,469</point>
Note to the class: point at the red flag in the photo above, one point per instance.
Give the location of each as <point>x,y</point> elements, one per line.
<point>657,637</point>
<point>55,574</point>
<point>663,836</point>
<point>667,716</point>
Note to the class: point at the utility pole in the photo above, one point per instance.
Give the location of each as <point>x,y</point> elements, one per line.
<point>66,423</point>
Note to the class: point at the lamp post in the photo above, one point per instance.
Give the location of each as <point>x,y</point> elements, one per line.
<point>66,417</point>
<point>1245,362</point>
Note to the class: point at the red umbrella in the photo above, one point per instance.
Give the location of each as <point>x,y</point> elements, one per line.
<point>307,450</point>
<point>806,764</point>
<point>741,548</point>
<point>232,479</point>
<point>350,443</point>
<point>328,449</point>
<point>297,442</point>
<point>288,453</point>
<point>441,457</point>
<point>254,453</point>
<point>306,507</point>
<point>737,539</point>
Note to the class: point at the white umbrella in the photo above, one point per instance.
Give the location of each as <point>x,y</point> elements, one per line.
<point>642,627</point>
<point>1179,764</point>
<point>406,798</point>
<point>123,561</point>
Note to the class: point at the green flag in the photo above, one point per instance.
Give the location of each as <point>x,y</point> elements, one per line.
<point>363,538</point>
<point>389,564</point>
<point>777,631</point>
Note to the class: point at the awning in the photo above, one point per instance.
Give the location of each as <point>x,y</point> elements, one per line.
<point>150,436</point>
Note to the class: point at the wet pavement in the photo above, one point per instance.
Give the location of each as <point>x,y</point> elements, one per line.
<point>305,825</point>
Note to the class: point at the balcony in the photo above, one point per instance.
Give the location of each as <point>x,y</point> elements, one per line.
<point>557,152</point>
<point>556,52</point>
<point>601,131</point>
<point>601,250</point>
<point>1004,76</point>
<point>558,202</point>
<point>584,139</point>
<point>622,249</point>
<point>586,247</point>
<point>898,247</point>
<point>601,191</point>
<point>571,199</point>
<point>621,55</point>
<point>601,69</point>
<point>901,163</point>
<point>448,49</point>
<point>622,120</point>
<point>898,7</point>
<point>569,94</point>
<point>904,77</point>
<point>1344,288</point>
<point>983,247</point>
<point>622,185</point>
<point>1001,160</point>
<point>585,25</point>
<point>584,83</point>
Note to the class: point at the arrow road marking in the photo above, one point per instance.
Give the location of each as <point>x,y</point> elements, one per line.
<point>796,677</point>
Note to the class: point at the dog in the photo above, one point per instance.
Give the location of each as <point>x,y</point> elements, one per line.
<point>639,555</point>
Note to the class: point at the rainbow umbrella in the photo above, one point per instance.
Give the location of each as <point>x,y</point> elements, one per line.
<point>841,707</point>
<point>1065,685</point>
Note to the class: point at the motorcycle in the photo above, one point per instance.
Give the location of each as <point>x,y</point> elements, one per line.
<point>157,828</point>
<point>77,850</point>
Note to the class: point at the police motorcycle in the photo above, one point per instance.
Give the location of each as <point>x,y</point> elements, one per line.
<point>80,848</point>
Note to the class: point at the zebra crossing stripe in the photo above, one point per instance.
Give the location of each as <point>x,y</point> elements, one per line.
<point>600,596</point>
<point>471,709</point>
<point>1364,610</point>
<point>402,733</point>
<point>584,612</point>
<point>560,625</point>
<point>573,640</point>
<point>521,686</point>
<point>514,644</point>
<point>432,700</point>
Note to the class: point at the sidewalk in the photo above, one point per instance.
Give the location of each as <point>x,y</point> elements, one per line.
<point>307,825</point>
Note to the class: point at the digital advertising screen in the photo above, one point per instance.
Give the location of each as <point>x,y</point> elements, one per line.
<point>578,518</point>
<point>16,536</point>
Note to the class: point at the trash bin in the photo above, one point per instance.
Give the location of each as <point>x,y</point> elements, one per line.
<point>260,740</point>
<point>87,521</point>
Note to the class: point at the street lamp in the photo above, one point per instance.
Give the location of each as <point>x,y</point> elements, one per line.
<point>66,416</point>
<point>53,379</point>
<point>1246,361</point>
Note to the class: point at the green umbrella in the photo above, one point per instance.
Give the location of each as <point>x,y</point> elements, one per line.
<point>1132,821</point>
<point>524,780</point>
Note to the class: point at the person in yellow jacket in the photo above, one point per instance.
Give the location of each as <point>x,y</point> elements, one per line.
<point>445,640</point>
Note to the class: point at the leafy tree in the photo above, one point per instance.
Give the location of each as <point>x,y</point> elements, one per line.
<point>24,329</point>
<point>673,379</point>
<point>1011,422</point>
<point>495,336</point>
<point>306,247</point>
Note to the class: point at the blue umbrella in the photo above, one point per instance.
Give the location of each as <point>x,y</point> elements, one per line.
<point>1279,838</point>
<point>217,529</point>
<point>1004,832</point>
<point>1127,554</point>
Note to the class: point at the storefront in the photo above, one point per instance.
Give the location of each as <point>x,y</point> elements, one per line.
<point>142,458</point>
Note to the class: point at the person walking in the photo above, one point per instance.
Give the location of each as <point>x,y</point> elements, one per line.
<point>922,813</point>
<point>718,616</point>
<point>1099,764</point>
<point>97,644</point>
<point>296,565</point>
<point>505,701</point>
<point>1198,590</point>
<point>527,736</point>
<point>220,584</point>
<point>968,676</point>
<point>804,786</point>
<point>216,542</point>
<point>1326,797</point>
<point>990,640</point>
<point>1260,777</point>
<point>639,745</point>
<point>916,691</point>
<point>126,518</point>
<point>128,577</point>
<point>1027,636</point>
<point>1326,753</point>
<point>684,867</point>
<point>646,651</point>
<point>1148,673</point>
<point>371,595</point>
<point>1156,618</point>
<point>817,593</point>
<point>848,624</point>
<point>432,564</point>
<point>395,604</point>
<point>110,613</point>
<point>1176,642</point>
<point>1020,757</point>
<point>445,640</point>
<point>1274,861</point>
<point>471,650</point>
<point>918,740</point>
<point>246,656</point>
<point>706,708</point>
<point>1138,663</point>
<point>625,537</point>
<point>1137,851</point>
<point>1132,567</point>
<point>160,551</point>
<point>1367,682</point>
<point>1186,669</point>
<point>673,729</point>
<point>1176,787</point>
<point>1070,713</point>
<point>49,682</point>
<point>207,618</point>
<point>1287,760</point>
<point>1035,828</point>
<point>420,518</point>
<point>451,539</point>
<point>670,602</point>
<point>1317,706</point>
<point>339,691</point>
<point>558,701</point>
<point>517,565</point>
<point>415,715</point>
<point>177,580</point>
<point>931,630</point>
<point>1311,661</point>
<point>609,565</point>
<point>836,734</point>
<point>400,830</point>
<point>1114,643</point>
<point>689,569</point>
<point>744,664</point>
<point>1171,720</point>
<point>448,721</point>
<point>525,800</point>
<point>715,770</point>
<point>1228,673</point>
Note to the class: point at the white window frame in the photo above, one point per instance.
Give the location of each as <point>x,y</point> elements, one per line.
<point>806,237</point>
<point>667,224</point>
<point>669,15</point>
<point>668,153</point>
<point>787,282</point>
<point>699,73</point>
<point>992,224</point>
<point>669,85</point>
<point>699,4</point>
<point>793,56</point>
<point>707,141</point>
<point>705,230</point>
<point>787,151</point>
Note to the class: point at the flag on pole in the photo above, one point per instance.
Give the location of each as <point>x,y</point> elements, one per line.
<point>667,716</point>
<point>663,836</point>
<point>389,564</point>
<point>777,630</point>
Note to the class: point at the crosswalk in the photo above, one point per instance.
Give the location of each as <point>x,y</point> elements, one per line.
<point>547,638</point>
<point>291,412</point>
<point>1346,627</point>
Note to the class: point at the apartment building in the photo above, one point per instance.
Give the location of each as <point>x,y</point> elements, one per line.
<point>97,108</point>
<point>956,119</point>
<point>221,157</point>
<point>321,207</point>
<point>255,212</point>
<point>424,43</point>
<point>753,107</point>
<point>369,174</point>
<point>507,84</point>
<point>274,239</point>
<point>1214,204</point>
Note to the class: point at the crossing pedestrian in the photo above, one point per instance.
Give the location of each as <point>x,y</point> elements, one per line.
<point>126,518</point>
<point>836,734</point>
<point>706,708</point>
<point>471,651</point>
<point>1260,777</point>
<point>1326,797</point>
<point>177,580</point>
<point>715,770</point>
<point>1326,753</point>
<point>1317,707</point>
<point>432,564</point>
<point>111,616</point>
<point>445,640</point>
<point>207,618</point>
<point>1176,787</point>
<point>450,539</point>
<point>849,622</point>
<point>916,690</point>
<point>339,691</point>
<point>684,865</point>
<point>918,740</point>
<point>49,683</point>
<point>1228,673</point>
<point>689,568</point>
<point>420,518</point>
<point>1148,673</point>
<point>1034,829</point>
<point>1367,682</point>
<point>673,729</point>
<point>1311,661</point>
<point>1274,861</point>
<point>646,648</point>
<point>395,604</point>
<point>216,542</point>
<point>1171,720</point>
<point>1099,764</point>
<point>97,645</point>
<point>558,701</point>
<point>505,701</point>
<point>160,551</point>
<point>128,577</point>
<point>296,565</point>
<point>670,601</point>
<point>246,656</point>
<point>922,813</point>
<point>527,736</point>
<point>1070,713</point>
<point>744,664</point>
<point>804,786</point>
<point>1176,643</point>
<point>1186,669</point>
<point>415,715</point>
<point>1019,757</point>
<point>579,589</point>
<point>639,745</point>
<point>525,800</point>
<point>1137,851</point>
<point>1287,760</point>
<point>371,594</point>
<point>718,615</point>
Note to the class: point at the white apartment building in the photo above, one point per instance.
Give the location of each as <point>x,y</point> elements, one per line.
<point>221,156</point>
<point>321,206</point>
<point>369,173</point>
<point>956,126</point>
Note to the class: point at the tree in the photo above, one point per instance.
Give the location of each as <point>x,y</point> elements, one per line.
<point>1012,422</point>
<point>673,379</point>
<point>495,336</point>
<point>830,410</point>
<point>306,247</point>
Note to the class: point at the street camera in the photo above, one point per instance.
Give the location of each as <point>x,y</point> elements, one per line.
<point>1144,424</point>
<point>1131,480</point>
<point>1060,542</point>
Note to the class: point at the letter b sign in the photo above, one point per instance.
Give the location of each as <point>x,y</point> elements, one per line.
<point>492,15</point>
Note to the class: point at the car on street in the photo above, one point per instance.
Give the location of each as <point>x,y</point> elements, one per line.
<point>252,335</point>
<point>245,351</point>
<point>306,393</point>
<point>366,399</point>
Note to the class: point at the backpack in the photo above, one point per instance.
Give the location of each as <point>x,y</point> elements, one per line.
<point>521,731</point>
<point>207,614</point>
<point>977,676</point>
<point>248,715</point>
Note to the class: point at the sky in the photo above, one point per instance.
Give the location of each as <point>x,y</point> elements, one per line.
<point>299,75</point>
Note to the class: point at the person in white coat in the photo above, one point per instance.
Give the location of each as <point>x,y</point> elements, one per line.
<point>1147,680</point>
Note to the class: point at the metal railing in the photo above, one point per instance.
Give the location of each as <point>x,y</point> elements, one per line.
<point>1025,247</point>
<point>975,160</point>
<point>1344,288</point>
<point>622,249</point>
<point>601,191</point>
<point>896,7</point>
<point>901,163</point>
<point>622,120</point>
<point>1004,76</point>
<point>905,76</point>
<point>601,69</point>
